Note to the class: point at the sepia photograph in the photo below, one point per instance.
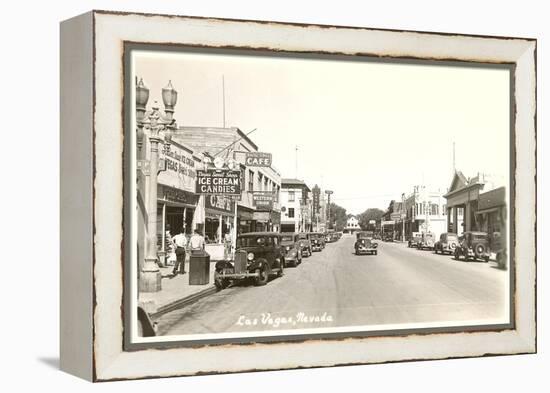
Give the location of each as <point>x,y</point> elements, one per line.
<point>281,196</point>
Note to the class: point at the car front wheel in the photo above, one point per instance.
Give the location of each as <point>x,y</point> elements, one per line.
<point>263,275</point>
<point>220,282</point>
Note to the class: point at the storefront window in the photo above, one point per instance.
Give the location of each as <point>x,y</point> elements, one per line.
<point>260,181</point>
<point>250,181</point>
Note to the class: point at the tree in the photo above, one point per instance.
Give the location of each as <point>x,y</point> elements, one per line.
<point>338,217</point>
<point>369,214</point>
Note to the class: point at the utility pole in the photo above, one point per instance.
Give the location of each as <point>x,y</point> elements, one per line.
<point>223,99</point>
<point>454,158</point>
<point>403,217</point>
<point>296,163</point>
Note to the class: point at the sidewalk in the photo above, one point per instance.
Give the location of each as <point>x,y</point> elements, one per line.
<point>176,291</point>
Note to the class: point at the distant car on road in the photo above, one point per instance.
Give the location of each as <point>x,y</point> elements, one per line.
<point>330,237</point>
<point>415,239</point>
<point>364,244</point>
<point>317,241</point>
<point>446,244</point>
<point>292,250</point>
<point>258,255</point>
<point>427,241</point>
<point>473,245</point>
<point>305,244</point>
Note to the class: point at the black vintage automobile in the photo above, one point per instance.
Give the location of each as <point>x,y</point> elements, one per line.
<point>473,245</point>
<point>415,239</point>
<point>292,248</point>
<point>364,244</point>
<point>317,241</point>
<point>498,246</point>
<point>305,244</point>
<point>258,255</point>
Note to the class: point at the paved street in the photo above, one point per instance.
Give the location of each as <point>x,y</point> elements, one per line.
<point>399,285</point>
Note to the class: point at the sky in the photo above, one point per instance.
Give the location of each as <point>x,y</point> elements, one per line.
<point>368,131</point>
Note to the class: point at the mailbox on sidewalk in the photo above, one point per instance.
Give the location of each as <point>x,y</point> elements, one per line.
<point>199,268</point>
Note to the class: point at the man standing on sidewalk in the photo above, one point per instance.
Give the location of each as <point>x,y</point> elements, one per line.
<point>180,240</point>
<point>227,245</point>
<point>197,243</point>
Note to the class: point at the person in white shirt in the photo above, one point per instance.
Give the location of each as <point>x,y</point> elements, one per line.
<point>196,243</point>
<point>180,240</point>
<point>227,240</point>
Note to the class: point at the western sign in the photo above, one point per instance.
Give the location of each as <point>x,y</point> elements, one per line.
<point>263,200</point>
<point>258,159</point>
<point>213,181</point>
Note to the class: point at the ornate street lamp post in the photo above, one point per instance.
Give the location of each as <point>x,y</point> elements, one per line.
<point>157,127</point>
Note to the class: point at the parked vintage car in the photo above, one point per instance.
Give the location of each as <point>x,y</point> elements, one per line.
<point>446,244</point>
<point>258,255</point>
<point>305,244</point>
<point>387,237</point>
<point>498,246</point>
<point>317,241</point>
<point>415,239</point>
<point>427,241</point>
<point>292,249</point>
<point>473,245</point>
<point>364,244</point>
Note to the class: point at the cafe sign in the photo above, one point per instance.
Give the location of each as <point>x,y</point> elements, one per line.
<point>222,182</point>
<point>258,159</point>
<point>220,203</point>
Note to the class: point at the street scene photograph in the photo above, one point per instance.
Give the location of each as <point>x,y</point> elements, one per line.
<point>279,195</point>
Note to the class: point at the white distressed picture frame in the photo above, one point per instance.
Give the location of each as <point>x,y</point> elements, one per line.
<point>92,222</point>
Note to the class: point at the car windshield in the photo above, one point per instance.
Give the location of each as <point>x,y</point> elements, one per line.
<point>302,236</point>
<point>479,237</point>
<point>252,241</point>
<point>287,238</point>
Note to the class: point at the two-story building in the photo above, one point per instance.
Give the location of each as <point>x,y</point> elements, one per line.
<point>425,211</point>
<point>296,206</point>
<point>220,211</point>
<point>352,225</point>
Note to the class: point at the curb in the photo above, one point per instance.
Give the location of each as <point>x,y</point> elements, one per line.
<point>186,301</point>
